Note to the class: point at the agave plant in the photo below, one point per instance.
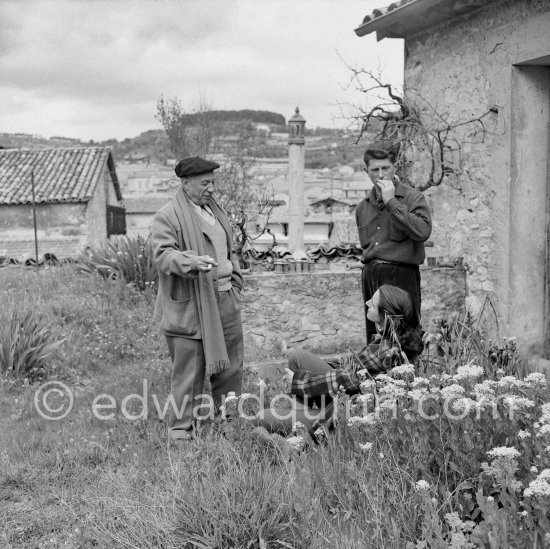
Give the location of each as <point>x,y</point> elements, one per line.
<point>129,258</point>
<point>26,343</point>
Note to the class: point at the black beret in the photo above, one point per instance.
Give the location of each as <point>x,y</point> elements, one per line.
<point>194,166</point>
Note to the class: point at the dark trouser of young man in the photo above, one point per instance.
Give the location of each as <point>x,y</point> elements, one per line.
<point>375,273</point>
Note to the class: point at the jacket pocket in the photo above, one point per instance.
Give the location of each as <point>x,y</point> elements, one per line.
<point>397,234</point>
<point>363,235</point>
<point>181,315</point>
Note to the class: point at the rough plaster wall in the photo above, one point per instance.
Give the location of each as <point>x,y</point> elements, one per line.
<point>139,223</point>
<point>96,215</point>
<point>323,311</point>
<point>61,229</point>
<point>51,219</point>
<point>462,68</point>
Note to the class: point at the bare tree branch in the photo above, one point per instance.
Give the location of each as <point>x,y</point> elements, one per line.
<point>425,134</point>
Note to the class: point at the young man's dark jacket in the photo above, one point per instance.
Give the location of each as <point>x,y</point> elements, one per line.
<point>396,231</point>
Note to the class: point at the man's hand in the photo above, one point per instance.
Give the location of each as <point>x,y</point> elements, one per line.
<point>387,189</point>
<point>203,263</point>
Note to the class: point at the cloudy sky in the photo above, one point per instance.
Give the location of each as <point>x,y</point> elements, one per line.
<point>94,69</point>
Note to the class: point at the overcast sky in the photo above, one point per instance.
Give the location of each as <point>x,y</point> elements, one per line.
<point>94,69</point>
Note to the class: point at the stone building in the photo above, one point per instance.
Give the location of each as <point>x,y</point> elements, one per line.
<point>466,58</point>
<point>140,210</point>
<point>76,194</point>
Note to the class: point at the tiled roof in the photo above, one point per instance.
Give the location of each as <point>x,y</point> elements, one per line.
<point>379,12</point>
<point>405,17</point>
<point>60,175</point>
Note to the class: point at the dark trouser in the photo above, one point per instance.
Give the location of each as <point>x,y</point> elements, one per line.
<point>189,367</point>
<point>277,419</point>
<point>374,275</point>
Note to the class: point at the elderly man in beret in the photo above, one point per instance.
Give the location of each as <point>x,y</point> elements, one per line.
<point>198,302</point>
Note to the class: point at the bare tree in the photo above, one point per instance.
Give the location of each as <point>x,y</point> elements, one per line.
<point>434,141</point>
<point>192,133</point>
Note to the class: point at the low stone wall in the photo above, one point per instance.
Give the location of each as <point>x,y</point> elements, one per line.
<point>323,311</point>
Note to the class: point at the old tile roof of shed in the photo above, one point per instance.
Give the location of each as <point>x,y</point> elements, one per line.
<point>405,17</point>
<point>60,175</point>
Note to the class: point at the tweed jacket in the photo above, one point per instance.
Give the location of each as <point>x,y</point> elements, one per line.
<point>176,307</point>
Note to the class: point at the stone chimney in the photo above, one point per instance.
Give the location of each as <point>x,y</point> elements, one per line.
<point>296,169</point>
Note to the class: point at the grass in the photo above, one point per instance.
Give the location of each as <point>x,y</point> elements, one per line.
<point>84,482</point>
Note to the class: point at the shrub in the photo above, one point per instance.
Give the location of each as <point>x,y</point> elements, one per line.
<point>26,342</point>
<point>124,257</point>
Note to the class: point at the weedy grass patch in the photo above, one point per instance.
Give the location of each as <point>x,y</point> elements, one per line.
<point>425,458</point>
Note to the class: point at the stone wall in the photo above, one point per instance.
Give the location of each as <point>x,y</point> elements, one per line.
<point>494,215</point>
<point>322,311</point>
<point>61,230</point>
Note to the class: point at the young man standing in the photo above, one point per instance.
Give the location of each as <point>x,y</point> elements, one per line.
<point>393,223</point>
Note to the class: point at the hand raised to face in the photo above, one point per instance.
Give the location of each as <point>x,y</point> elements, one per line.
<point>387,189</point>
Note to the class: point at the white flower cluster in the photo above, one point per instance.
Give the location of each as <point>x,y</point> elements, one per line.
<point>362,374</point>
<point>539,487</point>
<point>484,389</point>
<point>405,371</point>
<point>417,394</point>
<point>384,379</point>
<point>503,452</point>
<point>536,379</point>
<point>514,401</point>
<point>320,434</point>
<point>367,386</point>
<point>464,404</point>
<point>545,409</point>
<point>368,419</point>
<point>296,443</point>
<point>299,429</point>
<point>393,390</point>
<point>422,485</point>
<point>366,447</point>
<point>452,390</point>
<point>469,371</point>
<point>510,382</point>
<point>524,434</point>
<point>387,405</point>
<point>364,399</point>
<point>420,383</point>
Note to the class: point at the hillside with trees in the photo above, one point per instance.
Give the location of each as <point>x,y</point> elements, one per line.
<point>326,147</point>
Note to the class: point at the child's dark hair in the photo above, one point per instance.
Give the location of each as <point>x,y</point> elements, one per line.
<point>404,319</point>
